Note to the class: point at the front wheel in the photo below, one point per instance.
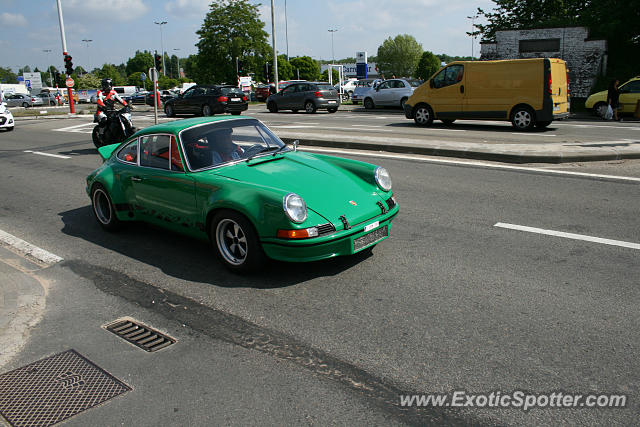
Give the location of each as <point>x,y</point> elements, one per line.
<point>168,110</point>
<point>600,109</point>
<point>309,107</point>
<point>103,209</point>
<point>272,107</point>
<point>523,118</point>
<point>96,138</point>
<point>206,110</point>
<point>368,104</point>
<point>423,115</point>
<point>236,242</point>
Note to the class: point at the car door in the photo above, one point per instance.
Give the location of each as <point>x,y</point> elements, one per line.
<point>398,91</point>
<point>629,96</point>
<point>447,95</point>
<point>164,193</point>
<point>181,104</point>
<point>382,93</point>
<point>286,97</point>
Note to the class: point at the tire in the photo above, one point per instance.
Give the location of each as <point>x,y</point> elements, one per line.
<point>332,110</point>
<point>448,122</point>
<point>543,124</point>
<point>310,107</point>
<point>206,110</point>
<point>423,115</point>
<point>168,110</point>
<point>523,118</point>
<point>94,137</point>
<point>25,105</point>
<point>599,109</point>
<point>236,242</point>
<point>11,128</point>
<point>272,107</point>
<point>103,209</point>
<point>368,104</point>
<point>402,101</point>
<point>295,110</point>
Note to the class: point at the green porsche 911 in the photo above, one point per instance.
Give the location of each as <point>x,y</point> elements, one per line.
<point>233,181</point>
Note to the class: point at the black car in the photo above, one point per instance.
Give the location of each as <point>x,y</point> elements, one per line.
<point>208,100</point>
<point>310,96</point>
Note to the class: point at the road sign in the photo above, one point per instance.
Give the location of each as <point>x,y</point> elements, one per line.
<point>69,82</point>
<point>27,83</point>
<point>143,76</point>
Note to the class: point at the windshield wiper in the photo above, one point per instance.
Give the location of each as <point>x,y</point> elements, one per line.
<point>262,150</point>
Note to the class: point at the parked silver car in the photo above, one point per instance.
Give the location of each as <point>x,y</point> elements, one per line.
<point>362,87</point>
<point>393,92</point>
<point>22,100</point>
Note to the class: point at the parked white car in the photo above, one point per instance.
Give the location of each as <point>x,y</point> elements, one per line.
<point>392,92</point>
<point>361,88</point>
<point>6,118</point>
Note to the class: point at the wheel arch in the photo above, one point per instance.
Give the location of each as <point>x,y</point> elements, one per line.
<point>522,104</point>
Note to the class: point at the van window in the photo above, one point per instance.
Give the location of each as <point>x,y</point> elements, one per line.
<point>449,76</point>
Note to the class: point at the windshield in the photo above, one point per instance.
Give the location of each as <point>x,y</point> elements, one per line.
<point>219,143</point>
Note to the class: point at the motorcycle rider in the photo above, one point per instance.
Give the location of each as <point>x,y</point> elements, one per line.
<point>106,99</point>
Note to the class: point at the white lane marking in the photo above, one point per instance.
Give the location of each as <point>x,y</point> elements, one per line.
<point>40,153</point>
<point>293,127</point>
<point>569,235</point>
<point>28,249</point>
<point>532,134</point>
<point>367,126</point>
<point>469,163</point>
<point>602,126</point>
<point>73,128</point>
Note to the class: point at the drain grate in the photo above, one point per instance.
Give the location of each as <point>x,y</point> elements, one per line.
<point>140,335</point>
<point>53,389</point>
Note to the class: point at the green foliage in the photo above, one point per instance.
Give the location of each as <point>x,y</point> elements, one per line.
<point>285,70</point>
<point>231,29</point>
<point>165,82</point>
<point>134,79</point>
<point>7,76</point>
<point>399,55</point>
<point>334,73</point>
<point>141,62</point>
<point>308,67</point>
<point>429,64</point>
<point>111,71</point>
<point>446,58</point>
<point>87,81</point>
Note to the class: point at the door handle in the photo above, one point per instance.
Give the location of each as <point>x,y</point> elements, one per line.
<point>136,179</point>
<point>461,88</point>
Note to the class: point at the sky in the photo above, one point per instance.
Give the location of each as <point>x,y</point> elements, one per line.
<point>117,28</point>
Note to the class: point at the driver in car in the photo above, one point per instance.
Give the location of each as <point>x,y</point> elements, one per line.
<point>225,150</point>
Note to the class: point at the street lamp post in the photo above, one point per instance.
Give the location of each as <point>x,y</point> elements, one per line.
<point>178,56</point>
<point>48,51</point>
<point>273,42</point>
<point>164,68</point>
<point>473,37</point>
<point>87,41</point>
<point>333,56</point>
<point>286,28</point>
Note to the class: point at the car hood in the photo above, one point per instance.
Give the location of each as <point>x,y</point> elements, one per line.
<point>329,190</point>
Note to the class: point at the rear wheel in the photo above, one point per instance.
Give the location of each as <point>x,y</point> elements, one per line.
<point>523,118</point>
<point>368,104</point>
<point>168,110</point>
<point>272,107</point>
<point>309,107</point>
<point>423,115</point>
<point>447,121</point>
<point>103,209</point>
<point>236,242</point>
<point>206,110</point>
<point>402,101</point>
<point>543,124</point>
<point>25,105</point>
<point>332,110</point>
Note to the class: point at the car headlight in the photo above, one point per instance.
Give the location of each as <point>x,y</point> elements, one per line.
<point>295,207</point>
<point>383,179</point>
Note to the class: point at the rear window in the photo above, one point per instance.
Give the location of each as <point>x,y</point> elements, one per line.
<point>231,91</point>
<point>326,87</point>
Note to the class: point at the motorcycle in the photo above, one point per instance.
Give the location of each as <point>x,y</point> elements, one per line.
<point>115,129</point>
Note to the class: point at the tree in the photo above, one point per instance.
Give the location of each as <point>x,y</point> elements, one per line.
<point>309,69</point>
<point>399,55</point>
<point>165,82</point>
<point>87,81</point>
<point>285,70</point>
<point>111,71</point>
<point>334,73</point>
<point>429,64</point>
<point>141,62</point>
<point>7,76</point>
<point>231,29</point>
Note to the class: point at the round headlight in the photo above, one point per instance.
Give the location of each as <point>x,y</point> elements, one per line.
<point>383,179</point>
<point>295,208</point>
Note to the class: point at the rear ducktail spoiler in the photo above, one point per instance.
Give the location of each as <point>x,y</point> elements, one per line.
<point>107,150</point>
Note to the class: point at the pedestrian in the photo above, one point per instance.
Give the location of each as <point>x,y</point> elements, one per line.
<point>613,97</point>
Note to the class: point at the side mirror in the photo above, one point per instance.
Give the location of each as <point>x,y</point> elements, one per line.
<point>295,145</point>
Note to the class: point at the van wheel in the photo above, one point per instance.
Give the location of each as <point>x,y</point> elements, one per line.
<point>368,104</point>
<point>447,122</point>
<point>544,124</point>
<point>423,115</point>
<point>523,118</point>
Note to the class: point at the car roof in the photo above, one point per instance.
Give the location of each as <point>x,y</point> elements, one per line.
<point>178,125</point>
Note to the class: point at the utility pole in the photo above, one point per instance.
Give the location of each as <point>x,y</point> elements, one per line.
<point>275,51</point>
<point>87,41</point>
<point>164,68</point>
<point>473,26</point>
<point>65,53</point>
<point>48,51</point>
<point>286,28</point>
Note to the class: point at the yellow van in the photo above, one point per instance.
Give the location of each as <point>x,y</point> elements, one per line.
<point>526,92</point>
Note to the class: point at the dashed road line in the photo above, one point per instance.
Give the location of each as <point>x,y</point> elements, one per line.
<point>572,236</point>
<point>40,153</point>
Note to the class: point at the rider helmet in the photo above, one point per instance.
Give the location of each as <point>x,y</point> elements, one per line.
<point>106,85</point>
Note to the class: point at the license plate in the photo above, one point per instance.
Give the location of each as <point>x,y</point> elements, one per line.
<point>332,102</point>
<point>370,238</point>
<point>235,99</point>
<point>371,226</point>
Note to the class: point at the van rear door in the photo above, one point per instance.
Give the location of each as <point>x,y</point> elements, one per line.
<point>559,87</point>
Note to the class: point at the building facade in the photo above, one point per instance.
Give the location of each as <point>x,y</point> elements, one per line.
<point>586,59</point>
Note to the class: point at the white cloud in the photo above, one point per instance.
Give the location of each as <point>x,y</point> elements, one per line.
<point>187,8</point>
<point>118,10</point>
<point>12,20</point>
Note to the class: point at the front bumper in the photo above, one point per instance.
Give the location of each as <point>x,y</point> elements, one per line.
<point>339,243</point>
<point>6,121</point>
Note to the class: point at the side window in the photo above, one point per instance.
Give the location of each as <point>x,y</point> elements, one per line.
<point>154,151</point>
<point>212,91</point>
<point>399,84</point>
<point>449,76</point>
<point>632,87</point>
<point>189,93</point>
<point>289,90</point>
<point>129,153</point>
<point>384,85</point>
<point>176,161</point>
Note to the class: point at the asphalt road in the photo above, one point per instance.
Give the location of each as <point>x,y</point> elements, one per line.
<point>449,302</point>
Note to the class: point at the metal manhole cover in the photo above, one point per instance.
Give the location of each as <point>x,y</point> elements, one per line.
<point>53,389</point>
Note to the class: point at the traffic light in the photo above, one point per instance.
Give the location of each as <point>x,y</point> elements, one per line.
<point>59,81</point>
<point>158,60</point>
<point>68,65</point>
<point>267,71</point>
<point>240,72</point>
